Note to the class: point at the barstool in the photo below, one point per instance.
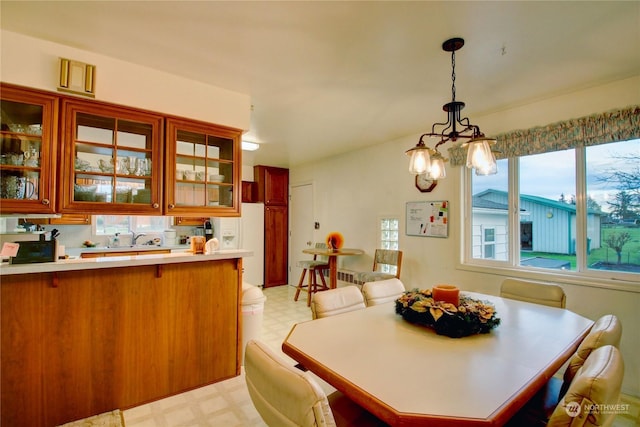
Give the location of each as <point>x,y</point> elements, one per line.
<point>314,266</point>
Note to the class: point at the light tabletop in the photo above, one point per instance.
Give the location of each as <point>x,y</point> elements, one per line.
<point>333,260</point>
<point>408,375</point>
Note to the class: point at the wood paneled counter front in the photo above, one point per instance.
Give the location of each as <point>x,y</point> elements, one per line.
<point>87,336</point>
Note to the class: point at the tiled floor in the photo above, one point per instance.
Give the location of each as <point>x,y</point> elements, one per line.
<point>227,404</point>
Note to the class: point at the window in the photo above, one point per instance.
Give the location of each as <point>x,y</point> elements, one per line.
<point>489,243</point>
<point>389,233</point>
<point>490,212</point>
<point>548,215</point>
<point>109,225</point>
<point>566,217</point>
<point>566,197</point>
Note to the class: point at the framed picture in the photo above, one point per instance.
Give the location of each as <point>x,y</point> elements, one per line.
<point>428,219</point>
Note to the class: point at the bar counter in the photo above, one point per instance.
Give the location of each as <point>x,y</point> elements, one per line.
<point>86,336</point>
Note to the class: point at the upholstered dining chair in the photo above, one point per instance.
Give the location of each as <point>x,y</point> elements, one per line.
<point>607,330</point>
<point>286,396</point>
<point>382,291</point>
<point>336,301</point>
<point>597,382</point>
<point>536,292</point>
<point>382,257</point>
<point>315,267</point>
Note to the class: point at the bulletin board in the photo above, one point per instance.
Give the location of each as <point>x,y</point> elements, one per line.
<point>428,219</point>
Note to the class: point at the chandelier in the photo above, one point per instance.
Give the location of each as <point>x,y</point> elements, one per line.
<point>430,161</point>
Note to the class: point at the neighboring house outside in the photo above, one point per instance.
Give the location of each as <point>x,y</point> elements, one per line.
<point>545,225</point>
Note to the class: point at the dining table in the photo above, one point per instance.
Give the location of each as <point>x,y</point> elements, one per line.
<point>408,375</point>
<point>333,255</point>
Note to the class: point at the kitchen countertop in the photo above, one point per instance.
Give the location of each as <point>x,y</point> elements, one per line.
<point>120,261</point>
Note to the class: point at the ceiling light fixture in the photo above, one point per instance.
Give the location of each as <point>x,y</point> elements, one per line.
<point>479,154</point>
<point>250,146</point>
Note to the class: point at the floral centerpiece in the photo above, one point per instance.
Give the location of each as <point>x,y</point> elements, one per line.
<point>470,317</point>
<point>335,241</point>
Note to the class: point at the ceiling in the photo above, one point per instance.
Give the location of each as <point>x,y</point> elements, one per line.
<point>330,77</point>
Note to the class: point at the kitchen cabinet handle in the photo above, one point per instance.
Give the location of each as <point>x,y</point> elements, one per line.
<point>45,202</point>
<point>155,206</point>
<point>171,206</point>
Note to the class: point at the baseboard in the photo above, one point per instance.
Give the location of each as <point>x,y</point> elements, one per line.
<point>108,419</point>
<point>633,405</point>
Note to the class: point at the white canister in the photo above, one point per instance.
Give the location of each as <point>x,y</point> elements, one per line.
<point>170,237</point>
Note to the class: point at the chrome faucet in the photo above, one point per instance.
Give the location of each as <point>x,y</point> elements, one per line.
<point>135,237</point>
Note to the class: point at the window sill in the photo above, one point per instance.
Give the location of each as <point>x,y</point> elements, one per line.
<point>570,278</point>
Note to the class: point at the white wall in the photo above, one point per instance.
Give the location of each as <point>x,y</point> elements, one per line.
<point>353,190</point>
<point>33,62</point>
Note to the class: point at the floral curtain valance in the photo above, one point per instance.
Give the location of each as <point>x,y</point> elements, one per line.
<point>617,125</point>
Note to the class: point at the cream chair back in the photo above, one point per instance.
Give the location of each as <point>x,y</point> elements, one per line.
<point>535,292</point>
<point>382,257</point>
<point>336,301</point>
<point>597,383</point>
<point>382,291</point>
<point>283,395</point>
<point>606,331</point>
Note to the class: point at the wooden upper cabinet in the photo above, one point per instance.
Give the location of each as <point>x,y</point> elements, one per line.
<point>28,150</point>
<point>202,169</point>
<point>194,221</point>
<point>66,219</point>
<point>111,160</point>
<point>249,192</point>
<point>272,184</point>
<point>71,219</point>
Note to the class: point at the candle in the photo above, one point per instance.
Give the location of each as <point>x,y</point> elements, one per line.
<point>446,293</point>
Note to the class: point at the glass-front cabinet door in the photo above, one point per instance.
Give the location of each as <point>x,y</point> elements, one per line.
<point>202,169</point>
<point>112,155</point>
<point>27,150</point>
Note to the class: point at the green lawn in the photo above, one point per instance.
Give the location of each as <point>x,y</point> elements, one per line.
<point>630,251</point>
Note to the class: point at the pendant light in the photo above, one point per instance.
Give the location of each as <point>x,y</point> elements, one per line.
<point>479,153</point>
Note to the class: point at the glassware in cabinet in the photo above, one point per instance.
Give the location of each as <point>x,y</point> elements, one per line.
<point>203,174</point>
<point>116,158</point>
<point>27,149</point>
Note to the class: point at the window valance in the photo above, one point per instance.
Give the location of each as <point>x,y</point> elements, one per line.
<point>611,126</point>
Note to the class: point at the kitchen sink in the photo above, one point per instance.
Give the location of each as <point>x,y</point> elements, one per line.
<point>125,248</point>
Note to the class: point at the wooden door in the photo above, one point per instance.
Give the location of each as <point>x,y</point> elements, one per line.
<point>273,185</point>
<point>276,245</point>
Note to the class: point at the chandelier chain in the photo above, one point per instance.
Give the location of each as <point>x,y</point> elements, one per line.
<point>453,75</point>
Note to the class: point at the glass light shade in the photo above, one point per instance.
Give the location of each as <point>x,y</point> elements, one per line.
<point>490,168</point>
<point>479,155</point>
<point>437,167</point>
<point>420,161</point>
